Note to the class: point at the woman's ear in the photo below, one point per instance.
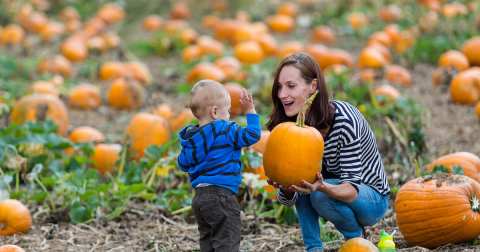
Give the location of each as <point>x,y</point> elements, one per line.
<point>313,86</point>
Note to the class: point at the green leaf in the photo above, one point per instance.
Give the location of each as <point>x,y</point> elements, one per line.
<point>457,170</point>
<point>79,213</point>
<point>183,88</point>
<point>439,169</point>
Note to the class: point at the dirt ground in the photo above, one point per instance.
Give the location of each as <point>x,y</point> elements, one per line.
<point>448,128</point>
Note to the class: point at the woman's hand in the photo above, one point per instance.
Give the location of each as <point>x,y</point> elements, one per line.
<point>307,187</point>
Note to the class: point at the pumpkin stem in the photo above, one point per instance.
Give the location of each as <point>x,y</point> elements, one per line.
<point>306,106</point>
<point>475,204</point>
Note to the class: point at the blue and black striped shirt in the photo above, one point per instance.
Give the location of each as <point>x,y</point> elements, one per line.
<point>211,154</point>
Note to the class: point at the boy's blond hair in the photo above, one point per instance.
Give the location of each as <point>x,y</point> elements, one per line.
<point>206,93</point>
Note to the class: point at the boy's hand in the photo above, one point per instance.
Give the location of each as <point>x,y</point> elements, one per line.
<point>246,100</point>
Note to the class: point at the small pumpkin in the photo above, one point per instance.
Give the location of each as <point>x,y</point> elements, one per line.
<point>235,90</point>
<point>380,37</point>
<point>51,31</point>
<point>230,66</point>
<point>358,244</point>
<point>281,23</point>
<point>244,32</point>
<point>454,9</point>
<point>398,75</point>
<point>139,72</point>
<point>111,13</point>
<point>288,8</point>
<point>147,129</point>
<point>14,217</point>
<point>69,13</point>
<point>357,20</point>
<point>205,71</point>
<point>428,22</point>
<point>210,46</point>
<point>191,53</point>
<point>38,107</point>
<point>188,36</point>
<point>469,162</point>
<point>74,50</point>
<point>164,110</point>
<point>11,248</point>
<point>465,86</point>
<point>44,87</point>
<point>85,96</point>
<point>390,13</point>
<point>56,65</point>
<point>388,92</point>
<point>268,43</point>
<point>180,10</point>
<point>105,156</point>
<point>471,49</point>
<point>111,70</point>
<point>393,31</point>
<point>453,59</point>
<point>152,23</point>
<point>288,48</point>
<point>125,94</point>
<point>421,204</point>
<point>302,160</point>
<point>249,52</point>
<point>86,134</point>
<point>371,58</point>
<point>323,34</point>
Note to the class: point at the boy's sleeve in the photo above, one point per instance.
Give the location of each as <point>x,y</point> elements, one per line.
<point>182,160</point>
<point>245,136</point>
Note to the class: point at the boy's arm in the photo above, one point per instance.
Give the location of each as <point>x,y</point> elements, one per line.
<point>182,160</point>
<point>245,136</point>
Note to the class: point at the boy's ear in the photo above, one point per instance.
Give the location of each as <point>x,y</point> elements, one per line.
<point>213,112</point>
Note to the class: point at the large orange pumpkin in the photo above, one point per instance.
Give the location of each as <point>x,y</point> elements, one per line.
<point>358,244</point>
<point>11,248</point>
<point>38,107</point>
<point>105,156</point>
<point>294,151</point>
<point>85,96</point>
<point>147,129</point>
<point>125,94</point>
<point>436,211</point>
<point>14,217</point>
<point>465,86</point>
<point>469,162</point>
<point>471,49</point>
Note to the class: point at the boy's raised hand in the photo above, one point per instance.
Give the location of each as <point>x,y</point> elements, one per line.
<point>246,100</point>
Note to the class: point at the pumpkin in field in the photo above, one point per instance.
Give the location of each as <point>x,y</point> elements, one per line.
<point>111,70</point>
<point>12,35</point>
<point>205,71</point>
<point>249,52</point>
<point>289,48</point>
<point>281,23</point>
<point>231,67</point>
<point>51,31</point>
<point>152,23</point>
<point>371,58</point>
<point>139,72</point>
<point>380,37</point>
<point>164,110</point>
<point>288,8</point>
<point>111,13</point>
<point>180,10</point>
<point>44,87</point>
<point>86,134</point>
<point>181,120</point>
<point>398,75</point>
<point>386,92</point>
<point>85,96</point>
<point>358,244</point>
<point>235,90</point>
<point>390,13</point>
<point>323,34</point>
<point>367,75</point>
<point>14,217</point>
<point>422,205</point>
<point>105,156</point>
<point>268,43</point>
<point>302,160</point>
<point>469,162</point>
<point>191,53</point>
<point>39,107</point>
<point>453,59</point>
<point>244,32</point>
<point>11,248</point>
<point>125,94</point>
<point>471,49</point>
<point>74,50</point>
<point>210,46</point>
<point>147,129</point>
<point>55,65</point>
<point>357,20</point>
<point>465,86</point>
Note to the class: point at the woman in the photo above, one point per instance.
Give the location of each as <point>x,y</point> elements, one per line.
<point>352,189</point>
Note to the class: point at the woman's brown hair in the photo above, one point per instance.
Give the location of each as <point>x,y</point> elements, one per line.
<point>321,112</point>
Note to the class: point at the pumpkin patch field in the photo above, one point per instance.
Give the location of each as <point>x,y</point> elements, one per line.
<point>94,93</point>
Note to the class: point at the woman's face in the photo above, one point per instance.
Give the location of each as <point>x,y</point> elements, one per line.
<point>293,90</point>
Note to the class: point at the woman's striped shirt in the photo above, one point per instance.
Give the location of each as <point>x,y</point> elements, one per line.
<point>350,153</point>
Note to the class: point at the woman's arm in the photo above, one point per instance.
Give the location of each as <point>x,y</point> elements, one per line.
<point>345,192</point>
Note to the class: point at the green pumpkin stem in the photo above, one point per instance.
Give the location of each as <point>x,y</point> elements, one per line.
<point>303,112</point>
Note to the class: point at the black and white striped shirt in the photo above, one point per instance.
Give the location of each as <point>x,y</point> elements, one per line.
<point>350,153</point>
